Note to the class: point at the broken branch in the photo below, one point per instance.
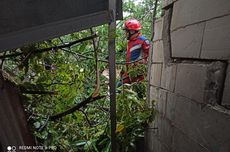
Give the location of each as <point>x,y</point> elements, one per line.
<point>95,47</point>
<point>38,92</point>
<point>90,99</point>
<point>51,48</point>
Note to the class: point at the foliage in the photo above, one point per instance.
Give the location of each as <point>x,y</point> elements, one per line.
<point>63,77</point>
<point>133,116</point>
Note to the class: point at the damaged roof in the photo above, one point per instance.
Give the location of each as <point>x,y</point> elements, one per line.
<point>29,21</point>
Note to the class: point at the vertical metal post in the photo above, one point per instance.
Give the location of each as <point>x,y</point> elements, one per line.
<point>112,72</point>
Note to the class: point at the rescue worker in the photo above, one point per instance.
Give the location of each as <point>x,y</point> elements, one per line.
<point>137,51</point>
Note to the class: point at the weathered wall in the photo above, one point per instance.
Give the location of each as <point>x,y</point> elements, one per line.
<point>190,77</point>
<point>13,125</point>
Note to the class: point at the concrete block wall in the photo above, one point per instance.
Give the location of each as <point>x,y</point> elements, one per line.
<point>203,26</point>
<point>189,78</point>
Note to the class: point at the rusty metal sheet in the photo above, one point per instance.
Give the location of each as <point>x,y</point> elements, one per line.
<point>13,127</point>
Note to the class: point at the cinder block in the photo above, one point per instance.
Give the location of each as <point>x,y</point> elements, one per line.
<point>166,132</point>
<point>152,144</point>
<point>214,128</point>
<point>166,3</point>
<point>208,126</point>
<point>155,77</point>
<point>168,76</point>
<point>156,145</point>
<point>182,143</point>
<point>171,106</point>
<point>164,148</point>
<point>161,102</point>
<point>154,96</point>
<point>162,135</point>
<point>166,36</point>
<point>158,52</point>
<point>223,142</point>
<point>186,42</point>
<point>183,113</point>
<point>187,12</point>
<point>214,82</point>
<point>190,81</point>
<point>154,124</point>
<point>226,95</point>
<point>158,27</point>
<point>216,39</point>
<point>200,81</point>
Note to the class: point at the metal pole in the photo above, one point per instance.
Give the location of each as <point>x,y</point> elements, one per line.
<point>112,72</point>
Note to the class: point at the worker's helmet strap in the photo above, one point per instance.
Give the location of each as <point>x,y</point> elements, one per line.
<point>130,35</point>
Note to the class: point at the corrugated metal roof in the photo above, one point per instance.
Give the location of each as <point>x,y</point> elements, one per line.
<point>28,21</point>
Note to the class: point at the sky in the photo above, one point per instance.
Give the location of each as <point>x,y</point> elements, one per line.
<point>136,2</point>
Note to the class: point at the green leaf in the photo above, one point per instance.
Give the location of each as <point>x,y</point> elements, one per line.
<point>37,125</point>
<point>81,143</point>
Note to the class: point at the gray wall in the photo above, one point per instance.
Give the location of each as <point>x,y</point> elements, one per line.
<point>189,78</point>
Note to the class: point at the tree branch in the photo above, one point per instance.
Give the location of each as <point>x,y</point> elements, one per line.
<point>86,117</point>
<point>44,125</point>
<point>76,55</point>
<point>60,83</point>
<point>101,60</point>
<point>51,48</point>
<point>90,99</point>
<point>104,109</point>
<point>38,92</point>
<point>95,47</point>
<point>25,59</point>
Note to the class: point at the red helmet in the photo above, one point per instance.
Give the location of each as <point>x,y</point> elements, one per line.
<point>132,24</point>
